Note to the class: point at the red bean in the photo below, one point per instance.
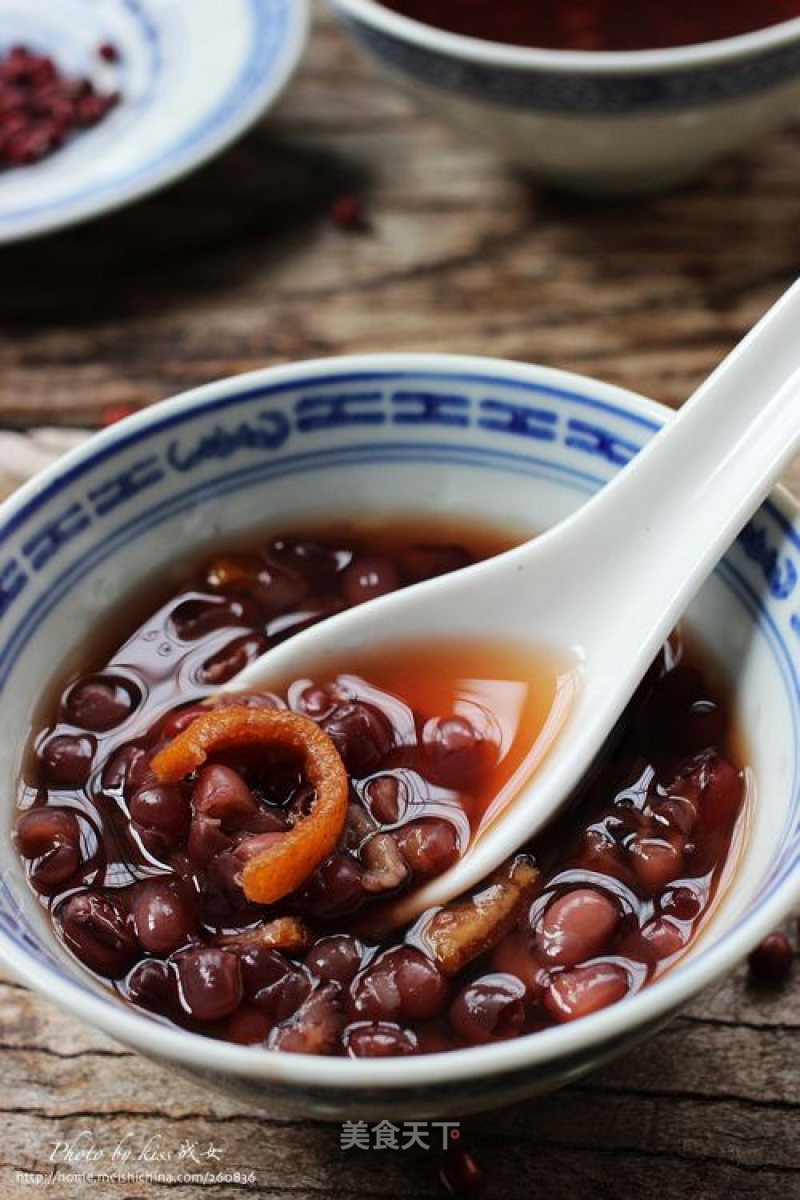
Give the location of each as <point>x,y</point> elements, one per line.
<point>514,956</point>
<point>100,703</point>
<point>279,1000</point>
<point>206,840</point>
<point>67,760</point>
<point>334,889</point>
<point>424,561</point>
<point>153,984</point>
<point>247,1026</point>
<point>428,847</point>
<point>50,839</point>
<point>379,1039</point>
<point>401,985</point>
<point>384,799</point>
<point>314,561</point>
<point>772,959</point>
<point>585,990</point>
<point>221,793</point>
<point>164,915</point>
<point>722,795</point>
<point>336,958</point>
<point>490,1009</point>
<point>120,767</point>
<point>369,577</point>
<point>315,1028</point>
<point>233,658</point>
<point>454,751</point>
<point>162,809</point>
<point>460,1173</point>
<point>210,983</point>
<point>682,903</point>
<point>262,966</point>
<point>97,929</point>
<point>180,719</point>
<point>656,862</point>
<point>361,734</point>
<point>198,615</point>
<point>576,926</point>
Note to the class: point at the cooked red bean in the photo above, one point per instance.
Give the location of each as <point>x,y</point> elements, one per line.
<point>403,985</point>
<point>454,750</point>
<point>514,956</point>
<point>361,734</point>
<point>221,793</point>
<point>99,931</point>
<point>67,759</point>
<point>379,1039</point>
<point>210,983</point>
<point>164,809</point>
<point>429,847</point>
<point>577,926</point>
<point>233,658</point>
<point>154,984</point>
<point>335,958</point>
<point>367,578</point>
<point>384,799</point>
<point>50,839</point>
<point>656,861</point>
<point>316,1027</point>
<point>334,889</point>
<point>164,915</point>
<point>490,1009</point>
<point>100,703</point>
<point>585,990</point>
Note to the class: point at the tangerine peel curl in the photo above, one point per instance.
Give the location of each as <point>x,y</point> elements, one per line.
<point>285,865</point>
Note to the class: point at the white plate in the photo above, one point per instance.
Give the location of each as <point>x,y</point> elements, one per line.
<point>194,74</point>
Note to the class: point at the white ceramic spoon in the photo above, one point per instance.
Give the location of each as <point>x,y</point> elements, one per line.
<point>607,584</point>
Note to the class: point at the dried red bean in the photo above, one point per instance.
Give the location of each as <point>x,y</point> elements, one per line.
<point>98,931</point>
<point>347,211</point>
<point>772,959</point>
<point>50,839</point>
<point>210,983</point>
<point>460,1173</point>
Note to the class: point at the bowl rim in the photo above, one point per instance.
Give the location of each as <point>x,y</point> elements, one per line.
<point>315,1073</point>
<point>585,62</point>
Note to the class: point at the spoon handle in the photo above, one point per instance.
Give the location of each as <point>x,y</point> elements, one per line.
<point>667,519</point>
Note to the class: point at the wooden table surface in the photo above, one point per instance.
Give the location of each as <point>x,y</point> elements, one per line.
<point>240,266</point>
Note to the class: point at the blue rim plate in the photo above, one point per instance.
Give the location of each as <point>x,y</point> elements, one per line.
<point>193,75</point>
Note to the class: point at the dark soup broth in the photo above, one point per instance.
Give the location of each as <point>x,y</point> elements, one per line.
<point>226,863</point>
<point>597,24</point>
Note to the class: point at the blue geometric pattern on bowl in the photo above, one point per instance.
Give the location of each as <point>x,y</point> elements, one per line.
<point>587,93</point>
<point>231,443</point>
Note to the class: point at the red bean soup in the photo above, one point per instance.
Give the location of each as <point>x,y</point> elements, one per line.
<point>598,24</point>
<point>231,864</point>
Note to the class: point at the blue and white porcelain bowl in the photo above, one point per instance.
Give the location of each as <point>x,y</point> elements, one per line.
<point>518,446</point>
<point>192,76</point>
<point>602,122</point>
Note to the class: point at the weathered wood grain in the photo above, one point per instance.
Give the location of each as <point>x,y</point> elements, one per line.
<point>241,266</point>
